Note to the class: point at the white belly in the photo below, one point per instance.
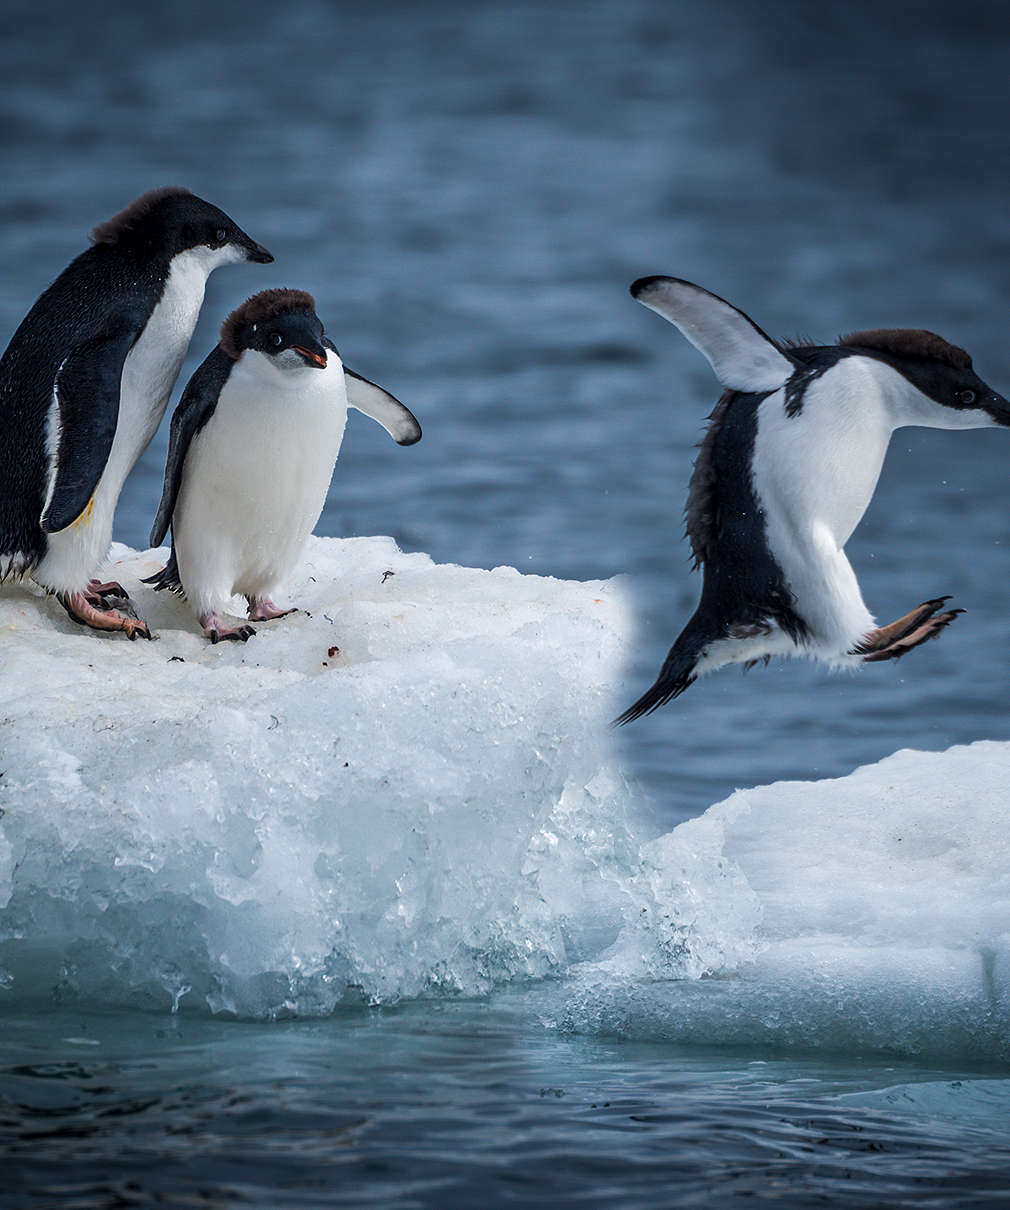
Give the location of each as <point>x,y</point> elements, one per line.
<point>149,374</point>
<point>815,474</point>
<point>255,480</point>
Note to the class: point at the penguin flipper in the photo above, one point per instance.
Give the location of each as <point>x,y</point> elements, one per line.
<point>87,400</point>
<point>195,408</point>
<point>743,357</point>
<point>398,421</point>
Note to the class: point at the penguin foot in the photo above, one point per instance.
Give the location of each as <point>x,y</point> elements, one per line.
<point>82,610</point>
<point>96,591</point>
<point>240,634</point>
<point>262,609</point>
<point>217,633</point>
<point>893,641</point>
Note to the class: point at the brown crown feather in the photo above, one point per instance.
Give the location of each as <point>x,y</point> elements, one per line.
<point>257,310</point>
<point>910,342</point>
<point>110,231</point>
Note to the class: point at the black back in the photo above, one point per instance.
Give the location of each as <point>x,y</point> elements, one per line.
<point>743,583</point>
<point>102,300</point>
<point>105,282</point>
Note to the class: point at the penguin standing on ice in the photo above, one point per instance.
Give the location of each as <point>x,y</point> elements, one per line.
<point>84,383</point>
<point>254,442</point>
<point>787,468</point>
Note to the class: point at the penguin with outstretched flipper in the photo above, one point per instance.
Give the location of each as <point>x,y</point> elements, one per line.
<point>254,442</point>
<point>789,463</point>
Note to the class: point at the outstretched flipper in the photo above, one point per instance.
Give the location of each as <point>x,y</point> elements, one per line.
<point>195,408</point>
<point>87,399</point>
<point>743,357</point>
<point>398,421</point>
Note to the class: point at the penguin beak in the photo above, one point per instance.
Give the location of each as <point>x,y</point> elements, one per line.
<point>314,358</point>
<point>258,254</point>
<point>998,408</point>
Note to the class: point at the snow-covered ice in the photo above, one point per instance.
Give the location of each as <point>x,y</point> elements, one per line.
<point>879,915</point>
<point>342,808</point>
<point>408,790</point>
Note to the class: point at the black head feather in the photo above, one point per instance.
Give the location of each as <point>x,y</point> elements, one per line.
<point>127,219</point>
<point>910,342</point>
<point>259,310</point>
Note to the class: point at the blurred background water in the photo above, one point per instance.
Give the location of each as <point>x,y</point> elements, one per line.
<point>468,190</point>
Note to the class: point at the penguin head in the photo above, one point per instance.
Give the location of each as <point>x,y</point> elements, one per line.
<point>167,222</point>
<point>943,391</point>
<point>280,325</point>
<point>937,386</point>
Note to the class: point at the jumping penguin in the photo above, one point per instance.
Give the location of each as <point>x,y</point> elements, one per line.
<point>253,445</point>
<point>786,470</point>
<point>84,383</point>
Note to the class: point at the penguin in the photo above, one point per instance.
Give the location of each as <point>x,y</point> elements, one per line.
<point>253,446</point>
<point>787,467</point>
<point>84,384</point>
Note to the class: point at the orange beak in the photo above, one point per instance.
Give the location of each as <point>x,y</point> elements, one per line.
<point>318,359</point>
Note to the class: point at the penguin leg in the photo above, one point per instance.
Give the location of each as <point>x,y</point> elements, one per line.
<point>893,641</point>
<point>82,611</point>
<point>216,631</point>
<point>262,609</point>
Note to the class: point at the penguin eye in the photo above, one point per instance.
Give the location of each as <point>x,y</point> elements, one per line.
<point>276,339</point>
<point>220,235</point>
<point>966,397</point>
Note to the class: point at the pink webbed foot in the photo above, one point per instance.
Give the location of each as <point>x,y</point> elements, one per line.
<point>96,591</point>
<point>80,606</point>
<point>915,628</point>
<point>216,631</point>
<point>262,609</point>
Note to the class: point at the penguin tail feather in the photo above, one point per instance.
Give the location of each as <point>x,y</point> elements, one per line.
<point>677,674</point>
<point>167,578</point>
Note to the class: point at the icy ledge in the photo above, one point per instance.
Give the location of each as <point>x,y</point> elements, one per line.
<point>408,791</point>
<point>341,809</point>
<point>880,916</point>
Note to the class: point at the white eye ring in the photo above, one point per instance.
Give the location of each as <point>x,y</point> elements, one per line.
<point>276,340</point>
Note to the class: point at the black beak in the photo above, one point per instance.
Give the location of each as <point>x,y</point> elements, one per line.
<point>998,408</point>
<point>259,254</point>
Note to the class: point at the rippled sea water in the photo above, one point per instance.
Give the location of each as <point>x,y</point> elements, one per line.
<point>464,1105</point>
<point>468,190</point>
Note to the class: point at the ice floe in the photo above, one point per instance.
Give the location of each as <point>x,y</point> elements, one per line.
<point>408,790</point>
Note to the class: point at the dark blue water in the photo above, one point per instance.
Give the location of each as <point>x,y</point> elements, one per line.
<point>468,190</point>
<point>467,1106</point>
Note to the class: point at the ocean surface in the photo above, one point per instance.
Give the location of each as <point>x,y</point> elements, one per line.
<point>468,190</point>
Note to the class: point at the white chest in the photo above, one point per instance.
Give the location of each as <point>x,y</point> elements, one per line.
<point>257,475</point>
<point>153,364</point>
<point>820,468</point>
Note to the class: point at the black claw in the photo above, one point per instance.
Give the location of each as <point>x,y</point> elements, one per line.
<point>214,636</point>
